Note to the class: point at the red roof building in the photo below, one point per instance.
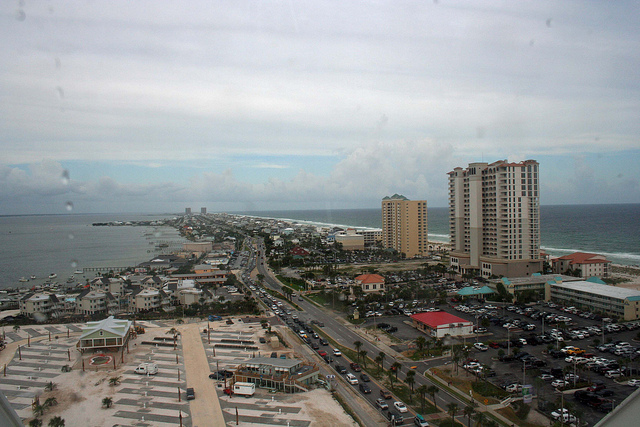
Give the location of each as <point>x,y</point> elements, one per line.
<point>370,282</point>
<point>298,251</point>
<point>437,324</point>
<point>590,265</point>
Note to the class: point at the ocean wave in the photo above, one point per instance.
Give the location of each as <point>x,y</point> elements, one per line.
<point>622,255</point>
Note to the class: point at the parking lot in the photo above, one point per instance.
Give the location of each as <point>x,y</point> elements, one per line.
<point>518,371</point>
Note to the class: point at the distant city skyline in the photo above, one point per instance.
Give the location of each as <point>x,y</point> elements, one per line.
<point>153,106</point>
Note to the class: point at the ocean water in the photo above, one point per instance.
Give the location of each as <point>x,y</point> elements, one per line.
<point>43,244</point>
<point>611,230</point>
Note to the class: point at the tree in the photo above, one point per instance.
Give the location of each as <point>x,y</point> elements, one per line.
<point>114,381</point>
<point>16,328</point>
<point>391,377</point>
<point>433,390</point>
<point>380,360</point>
<point>50,386</point>
<point>56,421</point>
<point>107,402</point>
<point>479,418</point>
<point>420,343</point>
<point>38,410</point>
<point>452,409</point>
<point>396,368</point>
<point>36,422</point>
<point>469,411</point>
<point>422,390</point>
<point>410,380</point>
<point>358,346</point>
<point>363,354</point>
<point>51,401</point>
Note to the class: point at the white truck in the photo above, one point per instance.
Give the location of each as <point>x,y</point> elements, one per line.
<point>244,389</point>
<point>147,368</point>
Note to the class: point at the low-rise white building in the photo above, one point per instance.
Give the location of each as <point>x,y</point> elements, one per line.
<point>43,303</point>
<point>437,324</point>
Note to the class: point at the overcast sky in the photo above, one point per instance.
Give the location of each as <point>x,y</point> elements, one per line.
<point>148,106</point>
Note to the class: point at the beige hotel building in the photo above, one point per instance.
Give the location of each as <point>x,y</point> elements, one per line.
<point>404,225</point>
<point>494,219</point>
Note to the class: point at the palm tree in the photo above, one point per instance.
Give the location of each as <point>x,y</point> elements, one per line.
<point>391,378</point>
<point>107,402</point>
<point>427,345</point>
<point>452,408</point>
<point>358,346</point>
<point>433,390</point>
<point>56,421</point>
<point>363,354</point>
<point>468,411</point>
<point>16,328</point>
<point>479,418</point>
<point>38,410</point>
<point>411,374</point>
<point>396,368</point>
<point>420,343</point>
<point>50,386</point>
<point>36,422</point>
<point>422,390</point>
<point>51,401</point>
<point>381,357</point>
<point>114,381</point>
<point>410,380</point>
<point>173,331</point>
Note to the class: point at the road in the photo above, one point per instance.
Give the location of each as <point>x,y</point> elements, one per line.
<point>346,337</point>
<point>205,408</point>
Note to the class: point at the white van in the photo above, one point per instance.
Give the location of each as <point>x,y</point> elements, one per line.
<point>147,368</point>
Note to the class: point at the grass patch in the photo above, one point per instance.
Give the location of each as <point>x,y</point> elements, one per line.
<point>510,414</point>
<point>422,355</point>
<point>293,283</point>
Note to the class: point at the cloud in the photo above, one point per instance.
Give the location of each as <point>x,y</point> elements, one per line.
<point>398,96</point>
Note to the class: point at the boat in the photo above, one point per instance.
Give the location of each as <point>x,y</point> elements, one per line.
<point>78,272</point>
<point>23,279</point>
<point>53,276</point>
<point>33,277</point>
<point>71,279</point>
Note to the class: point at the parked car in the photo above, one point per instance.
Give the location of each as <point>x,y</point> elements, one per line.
<point>191,394</point>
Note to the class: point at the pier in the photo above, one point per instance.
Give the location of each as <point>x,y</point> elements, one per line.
<point>104,269</point>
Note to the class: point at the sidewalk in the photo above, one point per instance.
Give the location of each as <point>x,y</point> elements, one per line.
<point>205,408</point>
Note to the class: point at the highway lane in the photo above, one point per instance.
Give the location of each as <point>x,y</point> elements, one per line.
<point>347,337</point>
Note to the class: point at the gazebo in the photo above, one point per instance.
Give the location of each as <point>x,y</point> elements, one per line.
<point>108,334</point>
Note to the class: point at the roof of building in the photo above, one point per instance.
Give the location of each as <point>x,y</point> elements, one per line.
<point>537,278</point>
<point>272,361</point>
<point>604,290</point>
<point>585,258</point>
<point>470,290</point>
<point>625,414</point>
<point>115,326</point>
<point>438,318</point>
<point>370,278</point>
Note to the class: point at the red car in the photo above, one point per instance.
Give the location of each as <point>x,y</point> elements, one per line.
<point>494,344</point>
<point>322,353</point>
<point>355,367</point>
<point>228,391</point>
